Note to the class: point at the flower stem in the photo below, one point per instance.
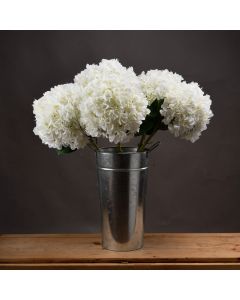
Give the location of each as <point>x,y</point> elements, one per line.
<point>119,147</point>
<point>142,148</point>
<point>92,144</point>
<point>91,147</point>
<point>141,141</point>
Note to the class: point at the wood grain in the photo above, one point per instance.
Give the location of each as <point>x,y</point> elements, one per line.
<point>84,251</point>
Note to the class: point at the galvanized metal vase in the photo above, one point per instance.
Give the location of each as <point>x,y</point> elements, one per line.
<point>122,179</point>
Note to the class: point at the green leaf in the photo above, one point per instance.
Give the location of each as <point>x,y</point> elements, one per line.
<point>162,126</point>
<point>153,120</point>
<point>65,150</point>
<point>147,125</point>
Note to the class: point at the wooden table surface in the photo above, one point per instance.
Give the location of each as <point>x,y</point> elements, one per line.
<point>84,251</point>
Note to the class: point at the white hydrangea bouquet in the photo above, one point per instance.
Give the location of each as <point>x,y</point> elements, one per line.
<point>111,101</point>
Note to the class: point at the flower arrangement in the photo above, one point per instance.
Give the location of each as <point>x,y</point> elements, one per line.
<point>111,101</point>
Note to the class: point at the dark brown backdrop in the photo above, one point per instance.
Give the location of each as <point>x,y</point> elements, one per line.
<point>192,187</point>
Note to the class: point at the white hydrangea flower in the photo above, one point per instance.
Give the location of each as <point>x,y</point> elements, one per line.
<point>157,83</point>
<point>186,110</point>
<point>57,117</point>
<point>113,105</point>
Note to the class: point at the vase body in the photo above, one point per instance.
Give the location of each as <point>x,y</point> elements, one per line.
<point>122,180</point>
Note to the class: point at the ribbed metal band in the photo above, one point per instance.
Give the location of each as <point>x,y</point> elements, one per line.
<point>122,170</point>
